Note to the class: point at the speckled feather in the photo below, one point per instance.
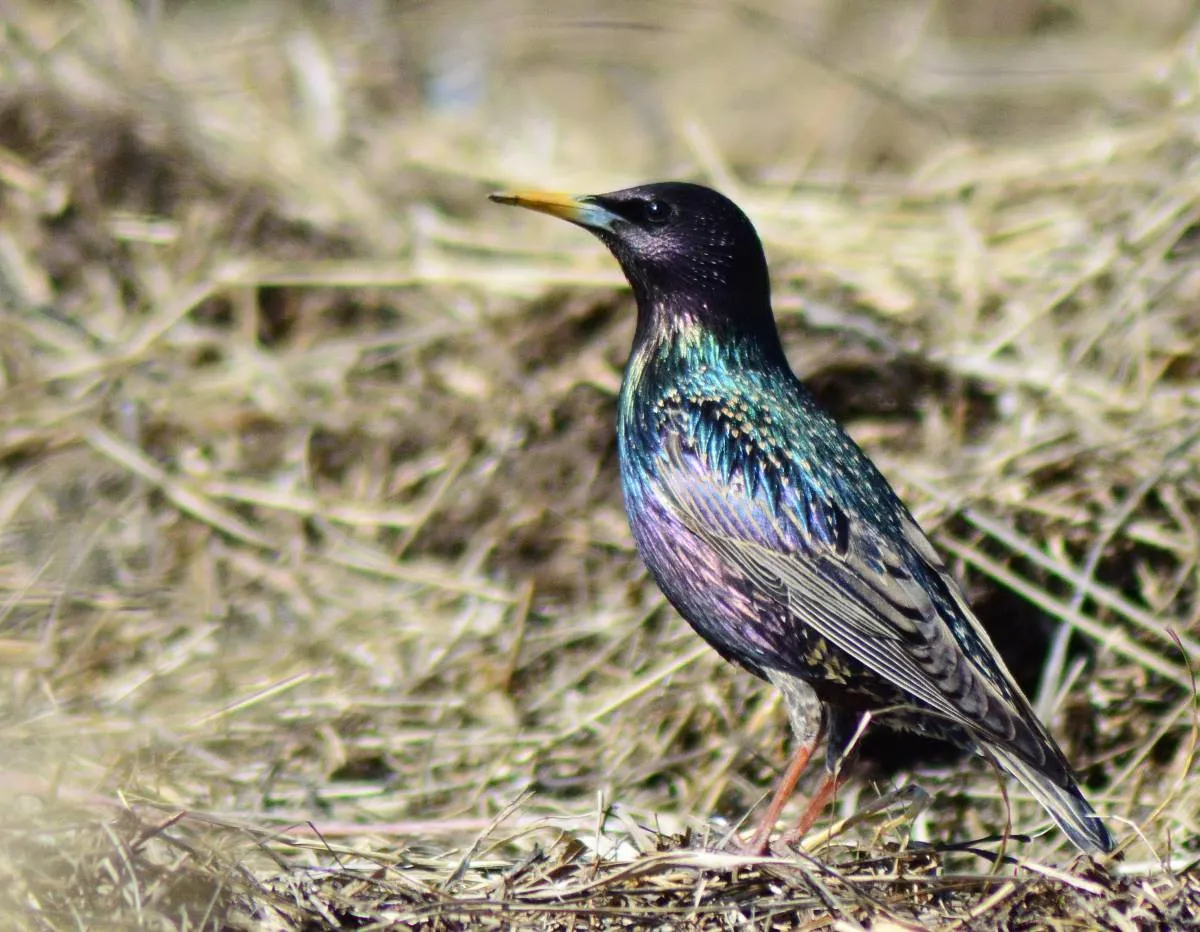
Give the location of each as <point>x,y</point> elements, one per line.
<point>770,530</point>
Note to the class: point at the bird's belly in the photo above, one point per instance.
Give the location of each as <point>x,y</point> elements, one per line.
<point>746,624</point>
<point>742,622</point>
<point>695,580</point>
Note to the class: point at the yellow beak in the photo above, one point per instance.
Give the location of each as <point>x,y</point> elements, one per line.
<point>581,210</point>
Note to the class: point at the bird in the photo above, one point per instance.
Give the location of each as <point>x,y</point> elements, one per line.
<point>770,530</point>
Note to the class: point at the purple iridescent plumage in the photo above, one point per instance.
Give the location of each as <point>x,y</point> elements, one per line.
<point>769,529</point>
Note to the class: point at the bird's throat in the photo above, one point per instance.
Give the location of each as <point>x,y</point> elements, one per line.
<point>675,336</point>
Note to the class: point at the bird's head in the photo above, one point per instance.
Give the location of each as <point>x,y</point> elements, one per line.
<point>689,252</point>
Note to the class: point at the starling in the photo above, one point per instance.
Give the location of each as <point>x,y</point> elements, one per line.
<point>768,528</point>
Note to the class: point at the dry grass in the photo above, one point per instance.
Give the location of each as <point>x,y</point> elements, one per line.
<point>319,605</point>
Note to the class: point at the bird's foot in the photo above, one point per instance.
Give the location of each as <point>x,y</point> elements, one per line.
<point>816,805</point>
<point>760,845</point>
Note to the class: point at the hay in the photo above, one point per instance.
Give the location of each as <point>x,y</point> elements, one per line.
<point>319,604</point>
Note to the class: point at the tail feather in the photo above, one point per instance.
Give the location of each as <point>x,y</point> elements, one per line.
<point>1065,803</point>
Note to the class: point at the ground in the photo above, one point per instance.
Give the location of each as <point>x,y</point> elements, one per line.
<point>319,604</point>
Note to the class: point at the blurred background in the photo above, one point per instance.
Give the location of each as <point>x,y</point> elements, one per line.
<point>311,545</point>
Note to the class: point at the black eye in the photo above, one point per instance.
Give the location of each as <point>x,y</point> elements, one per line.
<point>657,211</point>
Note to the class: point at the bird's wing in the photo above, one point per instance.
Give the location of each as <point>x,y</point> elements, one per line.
<point>884,599</point>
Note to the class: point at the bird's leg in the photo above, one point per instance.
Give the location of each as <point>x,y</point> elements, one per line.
<point>816,805</point>
<point>760,843</point>
<point>844,727</point>
<point>806,714</point>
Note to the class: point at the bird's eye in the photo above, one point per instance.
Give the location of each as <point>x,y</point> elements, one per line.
<point>656,211</point>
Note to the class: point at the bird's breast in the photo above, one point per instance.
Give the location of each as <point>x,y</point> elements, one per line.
<point>696,579</point>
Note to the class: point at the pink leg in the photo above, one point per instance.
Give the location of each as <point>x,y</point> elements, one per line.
<point>816,805</point>
<point>760,843</point>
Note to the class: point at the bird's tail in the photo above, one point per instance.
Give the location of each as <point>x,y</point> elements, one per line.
<point>1065,803</point>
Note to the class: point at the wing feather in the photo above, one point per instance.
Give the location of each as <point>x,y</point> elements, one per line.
<point>866,591</point>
